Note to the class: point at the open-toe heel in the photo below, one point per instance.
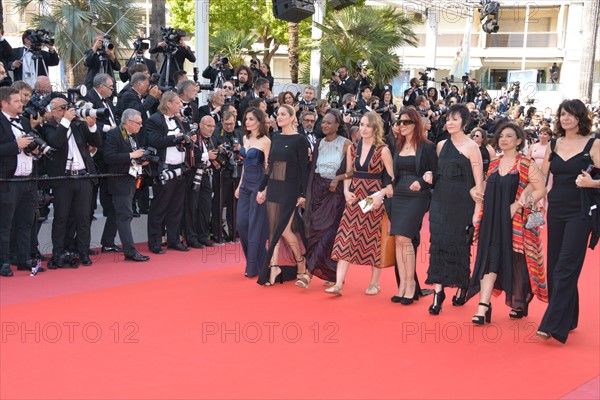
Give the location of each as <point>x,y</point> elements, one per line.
<point>481,319</point>
<point>517,313</point>
<point>335,290</point>
<point>543,335</point>
<point>302,278</point>
<point>273,279</point>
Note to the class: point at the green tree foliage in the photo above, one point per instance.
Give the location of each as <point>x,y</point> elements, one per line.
<point>76,23</point>
<point>363,33</point>
<point>182,15</point>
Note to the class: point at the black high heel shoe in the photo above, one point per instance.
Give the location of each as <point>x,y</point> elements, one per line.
<point>478,319</point>
<point>438,299</point>
<point>409,300</point>
<point>459,300</point>
<point>517,313</point>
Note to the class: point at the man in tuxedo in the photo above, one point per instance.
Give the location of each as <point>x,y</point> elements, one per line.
<point>215,67</point>
<point>410,94</point>
<point>181,53</point>
<point>23,65</point>
<point>72,160</point>
<point>125,72</point>
<point>120,154</point>
<point>196,223</point>
<point>344,83</point>
<point>100,97</point>
<point>216,100</point>
<point>100,59</point>
<point>5,50</point>
<point>227,177</point>
<point>307,127</point>
<point>165,133</point>
<point>188,92</point>
<point>17,199</point>
<point>261,85</point>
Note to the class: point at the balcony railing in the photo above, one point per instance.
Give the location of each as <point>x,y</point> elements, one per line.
<point>515,39</point>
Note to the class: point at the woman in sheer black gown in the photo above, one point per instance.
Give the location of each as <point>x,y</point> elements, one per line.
<point>569,228</point>
<point>283,188</point>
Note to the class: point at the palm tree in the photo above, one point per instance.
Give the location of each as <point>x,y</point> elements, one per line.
<point>233,44</point>
<point>590,38</point>
<point>364,33</point>
<point>76,23</point>
<point>293,50</point>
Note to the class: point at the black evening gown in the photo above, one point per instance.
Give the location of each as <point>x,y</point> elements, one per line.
<point>450,214</point>
<point>286,180</point>
<point>251,217</point>
<point>495,247</point>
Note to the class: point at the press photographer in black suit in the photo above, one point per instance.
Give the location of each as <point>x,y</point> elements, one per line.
<point>17,199</point>
<point>165,133</point>
<point>215,67</point>
<point>343,83</point>
<point>71,136</point>
<point>179,54</point>
<point>23,63</point>
<point>100,59</point>
<point>141,97</point>
<point>188,92</point>
<point>120,154</point>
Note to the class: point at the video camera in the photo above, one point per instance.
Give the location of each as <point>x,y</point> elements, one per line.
<point>36,107</point>
<point>425,75</point>
<point>172,37</point>
<point>227,157</point>
<point>140,44</point>
<point>40,37</point>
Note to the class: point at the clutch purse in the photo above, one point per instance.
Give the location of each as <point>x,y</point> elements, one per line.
<point>366,204</point>
<point>535,218</point>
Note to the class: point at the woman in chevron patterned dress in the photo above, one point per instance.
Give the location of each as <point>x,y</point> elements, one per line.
<point>358,238</point>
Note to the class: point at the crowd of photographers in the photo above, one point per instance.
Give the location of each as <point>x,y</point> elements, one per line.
<point>70,148</point>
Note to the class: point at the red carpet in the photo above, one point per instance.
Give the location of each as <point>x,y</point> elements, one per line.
<point>189,325</point>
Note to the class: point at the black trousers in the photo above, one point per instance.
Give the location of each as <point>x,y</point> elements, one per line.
<point>223,197</point>
<point>17,205</point>
<point>72,198</point>
<point>196,224</point>
<point>110,226</point>
<point>166,209</point>
<point>567,245</point>
<point>123,211</point>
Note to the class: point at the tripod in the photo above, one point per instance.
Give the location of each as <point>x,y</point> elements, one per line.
<point>36,57</point>
<point>169,51</point>
<point>138,58</point>
<point>220,80</point>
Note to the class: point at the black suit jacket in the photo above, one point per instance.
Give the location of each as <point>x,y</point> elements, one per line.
<point>56,136</point>
<point>131,99</point>
<point>208,109</point>
<point>116,157</point>
<point>6,53</point>
<point>9,148</point>
<point>92,61</point>
<point>50,60</point>
<point>151,64</point>
<point>94,98</point>
<point>212,73</point>
<point>157,136</point>
<point>425,160</point>
<point>195,111</point>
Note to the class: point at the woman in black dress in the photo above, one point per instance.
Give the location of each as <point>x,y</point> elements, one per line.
<point>251,217</point>
<point>414,162</point>
<point>488,153</point>
<point>283,188</point>
<point>509,256</point>
<point>325,199</point>
<point>568,230</point>
<point>452,210</point>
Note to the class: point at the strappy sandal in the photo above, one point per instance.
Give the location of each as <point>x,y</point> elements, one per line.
<point>372,290</point>
<point>303,278</point>
<point>273,279</point>
<point>543,335</point>
<point>517,313</point>
<point>335,290</point>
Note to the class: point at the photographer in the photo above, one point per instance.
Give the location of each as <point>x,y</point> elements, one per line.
<point>120,154</point>
<point>261,91</point>
<point>5,50</point>
<point>216,100</point>
<point>100,59</point>
<point>176,52</point>
<point>225,179</point>
<point>245,80</point>
<point>140,45</point>
<point>71,136</point>
<point>188,92</point>
<point>17,199</point>
<point>362,79</point>
<point>198,188</point>
<point>342,83</point>
<point>471,90</point>
<point>453,95</point>
<point>165,132</point>
<point>308,101</point>
<point>266,73</point>
<point>26,57</point>
<point>364,104</point>
<point>141,97</point>
<point>482,100</point>
<point>410,94</point>
<point>218,71</point>
<point>4,78</point>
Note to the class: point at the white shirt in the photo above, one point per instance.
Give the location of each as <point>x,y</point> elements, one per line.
<point>24,162</point>
<point>111,117</point>
<point>173,156</point>
<point>74,158</point>
<point>28,67</point>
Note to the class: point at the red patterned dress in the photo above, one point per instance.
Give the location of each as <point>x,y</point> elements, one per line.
<point>358,237</point>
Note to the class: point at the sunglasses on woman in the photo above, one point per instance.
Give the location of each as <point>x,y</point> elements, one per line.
<point>405,122</point>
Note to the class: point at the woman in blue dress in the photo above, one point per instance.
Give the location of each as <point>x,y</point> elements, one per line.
<point>251,217</point>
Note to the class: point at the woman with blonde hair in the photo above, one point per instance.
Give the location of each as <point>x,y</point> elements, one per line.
<point>358,239</point>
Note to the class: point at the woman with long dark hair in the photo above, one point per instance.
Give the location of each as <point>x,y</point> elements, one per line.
<point>325,198</point>
<point>358,239</point>
<point>509,256</point>
<point>452,210</point>
<point>283,188</point>
<point>568,158</point>
<point>415,160</point>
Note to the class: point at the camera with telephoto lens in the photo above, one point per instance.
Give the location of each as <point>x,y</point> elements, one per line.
<point>40,37</point>
<point>106,43</point>
<point>38,144</point>
<point>83,110</point>
<point>150,156</point>
<point>197,183</point>
<point>172,37</point>
<point>168,174</point>
<point>439,112</point>
<point>229,158</point>
<point>222,60</point>
<point>205,86</point>
<point>37,106</point>
<point>263,95</point>
<point>254,63</point>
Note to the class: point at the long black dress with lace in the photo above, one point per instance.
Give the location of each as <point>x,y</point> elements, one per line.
<point>286,180</point>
